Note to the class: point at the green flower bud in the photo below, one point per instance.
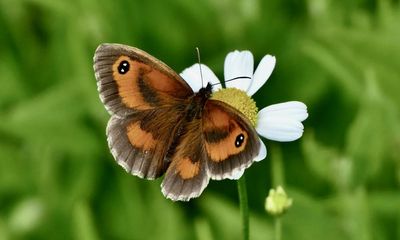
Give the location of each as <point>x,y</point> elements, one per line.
<point>277,201</point>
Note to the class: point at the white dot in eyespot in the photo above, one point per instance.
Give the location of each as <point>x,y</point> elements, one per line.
<point>239,140</point>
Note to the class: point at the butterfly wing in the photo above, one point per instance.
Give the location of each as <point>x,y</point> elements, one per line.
<point>140,142</point>
<point>131,80</point>
<point>208,148</point>
<point>186,176</point>
<point>146,99</point>
<point>231,142</point>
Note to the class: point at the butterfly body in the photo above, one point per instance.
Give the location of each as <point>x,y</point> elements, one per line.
<point>159,126</point>
<point>197,103</point>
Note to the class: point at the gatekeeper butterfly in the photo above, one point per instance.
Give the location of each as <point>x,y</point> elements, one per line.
<point>159,126</point>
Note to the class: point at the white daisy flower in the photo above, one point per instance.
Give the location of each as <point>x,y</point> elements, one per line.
<point>279,122</point>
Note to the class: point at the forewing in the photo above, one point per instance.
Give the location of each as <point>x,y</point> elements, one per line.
<point>231,142</point>
<point>129,80</point>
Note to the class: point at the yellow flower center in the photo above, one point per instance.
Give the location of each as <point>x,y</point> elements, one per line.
<point>239,100</point>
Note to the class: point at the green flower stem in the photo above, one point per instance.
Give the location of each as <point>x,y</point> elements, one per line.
<point>277,173</point>
<point>278,228</point>
<point>278,177</point>
<point>244,207</point>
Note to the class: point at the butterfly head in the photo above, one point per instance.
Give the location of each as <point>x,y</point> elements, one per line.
<point>206,91</point>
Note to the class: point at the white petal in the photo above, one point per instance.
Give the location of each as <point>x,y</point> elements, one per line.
<point>193,77</point>
<point>262,73</point>
<point>282,122</point>
<point>291,110</point>
<point>263,152</point>
<point>280,129</point>
<point>236,174</point>
<point>239,64</point>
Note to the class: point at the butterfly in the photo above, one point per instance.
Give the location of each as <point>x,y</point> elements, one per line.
<point>160,126</point>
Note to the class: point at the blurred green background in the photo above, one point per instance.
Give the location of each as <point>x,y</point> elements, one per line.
<point>342,58</point>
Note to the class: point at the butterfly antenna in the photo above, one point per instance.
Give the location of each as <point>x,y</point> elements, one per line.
<point>233,79</point>
<point>201,72</point>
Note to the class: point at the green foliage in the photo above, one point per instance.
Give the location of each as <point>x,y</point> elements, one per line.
<point>342,58</point>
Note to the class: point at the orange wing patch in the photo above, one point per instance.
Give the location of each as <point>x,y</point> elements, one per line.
<point>215,118</point>
<point>143,87</point>
<point>188,169</point>
<point>140,138</point>
<point>128,82</point>
<point>221,150</point>
<point>223,135</point>
<point>230,140</point>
